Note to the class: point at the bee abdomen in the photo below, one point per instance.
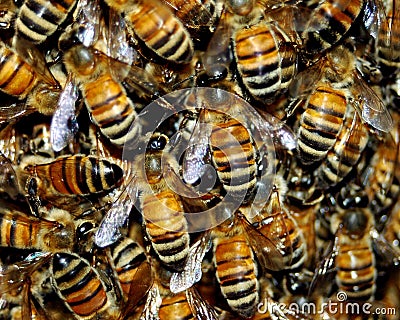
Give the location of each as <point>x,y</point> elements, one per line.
<point>359,261</point>
<point>234,158</point>
<point>17,233</point>
<point>265,72</point>
<point>78,284</point>
<point>237,274</point>
<point>127,257</point>
<point>38,19</point>
<point>320,124</point>
<point>162,32</point>
<point>17,78</point>
<point>329,23</point>
<point>111,109</point>
<point>167,228</point>
<point>80,175</point>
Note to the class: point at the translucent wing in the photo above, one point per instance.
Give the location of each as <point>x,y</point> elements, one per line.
<point>325,271</point>
<point>116,217</point>
<point>88,14</point>
<point>218,55</point>
<point>36,59</point>
<point>200,308</point>
<point>282,134</point>
<point>118,46</point>
<point>268,253</point>
<point>64,125</point>
<point>152,305</point>
<point>195,157</point>
<point>141,286</point>
<point>371,108</point>
<point>9,182</point>
<point>191,273</point>
<point>12,276</point>
<point>13,111</point>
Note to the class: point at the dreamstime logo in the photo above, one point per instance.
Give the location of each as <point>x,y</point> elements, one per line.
<point>340,305</point>
<point>191,144</point>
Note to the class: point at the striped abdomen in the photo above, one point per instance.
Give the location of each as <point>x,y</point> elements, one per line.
<point>282,226</point>
<point>127,257</point>
<point>265,60</point>
<point>234,157</point>
<point>111,109</point>
<point>38,19</point>
<point>78,175</point>
<point>19,231</point>
<point>176,307</point>
<point>320,124</point>
<point>352,140</point>
<point>156,25</point>
<point>17,78</point>
<point>167,228</point>
<point>356,273</point>
<point>328,23</point>
<point>389,43</point>
<point>236,273</point>
<point>79,285</point>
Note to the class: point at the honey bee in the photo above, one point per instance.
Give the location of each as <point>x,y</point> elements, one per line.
<point>165,35</point>
<point>265,55</point>
<point>277,224</point>
<point>388,47</point>
<point>224,139</point>
<point>334,84</point>
<point>26,80</point>
<point>37,21</point>
<point>354,249</point>
<point>346,152</point>
<point>328,23</point>
<point>236,269</point>
<point>111,110</point>
<point>162,209</point>
<point>22,231</point>
<point>186,305</point>
<point>380,177</point>
<point>68,177</point>
<point>195,14</point>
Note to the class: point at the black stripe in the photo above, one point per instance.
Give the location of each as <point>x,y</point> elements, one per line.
<point>109,100</point>
<point>31,25</point>
<point>96,174</point>
<point>42,11</point>
<point>13,226</point>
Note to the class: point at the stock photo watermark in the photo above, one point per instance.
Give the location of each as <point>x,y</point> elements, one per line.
<point>340,305</point>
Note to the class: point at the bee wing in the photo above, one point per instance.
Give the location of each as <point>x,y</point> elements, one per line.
<point>303,85</point>
<point>195,157</point>
<point>191,272</point>
<point>218,55</point>
<point>9,182</point>
<point>371,108</point>
<point>269,254</point>
<point>36,59</point>
<point>388,253</point>
<point>357,135</point>
<point>325,271</point>
<point>13,111</point>
<point>199,307</point>
<point>64,124</point>
<point>198,14</point>
<point>118,47</point>
<point>116,217</point>
<point>88,16</point>
<point>141,286</point>
<point>282,135</point>
<point>152,305</point>
<point>13,276</point>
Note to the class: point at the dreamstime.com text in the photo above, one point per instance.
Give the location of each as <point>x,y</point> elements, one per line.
<point>339,306</point>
